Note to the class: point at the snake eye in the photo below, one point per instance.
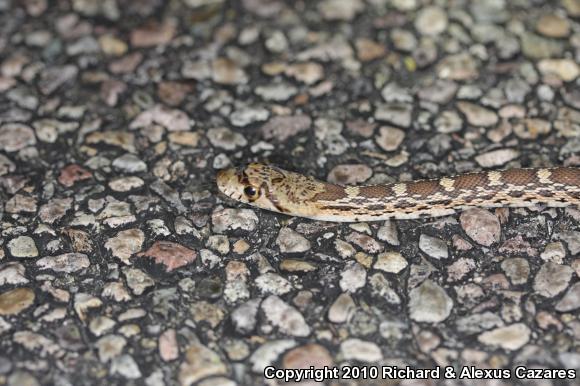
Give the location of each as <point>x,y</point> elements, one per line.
<point>251,192</point>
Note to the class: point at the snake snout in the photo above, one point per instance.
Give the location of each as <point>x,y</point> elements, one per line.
<point>227,181</point>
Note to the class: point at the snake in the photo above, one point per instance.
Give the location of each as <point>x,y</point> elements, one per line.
<point>269,187</point>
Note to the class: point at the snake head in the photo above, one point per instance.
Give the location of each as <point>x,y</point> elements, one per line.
<point>252,184</point>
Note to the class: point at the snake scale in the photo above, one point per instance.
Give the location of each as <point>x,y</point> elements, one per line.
<point>271,188</point>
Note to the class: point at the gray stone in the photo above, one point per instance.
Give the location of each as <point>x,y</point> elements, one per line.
<point>510,338</point>
<point>168,194</point>
<point>171,119</point>
<point>489,11</point>
<point>110,346</point>
<point>68,262</point>
<point>281,128</point>
<point>388,232</point>
<point>390,138</point>
<point>22,246</point>
<point>286,318</point>
<point>496,158</point>
<point>277,92</point>
<point>268,353</point>
<point>23,97</point>
<point>481,226</point>
<point>341,309</point>
<point>5,365</point>
<point>382,289</point>
<point>225,138</point>
<point>228,72</point>
<point>290,241</point>
<point>340,9</point>
<point>431,20</point>
<point>271,283</point>
<point>552,279</point>
<point>247,115</point>
<point>20,203</point>
<point>125,366</point>
<point>6,165</point>
<point>101,324</point>
<point>517,269</point>
<point>16,136</point>
<point>244,317</point>
<point>22,378</point>
<point>392,262</point>
<point>396,113</point>
<point>125,244</point>
<point>472,324</point>
<point>441,91</point>
<point>53,78</point>
<point>403,40</point>
<point>353,277</point>
<point>554,252</point>
<point>448,122</point>
<point>137,280</point>
<point>537,47</point>
<point>360,350</point>
<point>55,209</point>
<point>429,303</point>
<point>232,219</point>
<point>108,9</point>
<point>126,184</point>
<point>571,300</point>
<point>462,66</point>
<point>200,362</point>
<point>433,246</point>
<point>12,273</point>
<point>129,163</point>
<point>477,115</point>
<point>349,174</point>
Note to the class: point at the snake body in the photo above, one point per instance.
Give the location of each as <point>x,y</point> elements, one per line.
<point>271,188</point>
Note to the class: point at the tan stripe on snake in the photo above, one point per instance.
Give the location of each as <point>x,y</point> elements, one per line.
<point>278,190</point>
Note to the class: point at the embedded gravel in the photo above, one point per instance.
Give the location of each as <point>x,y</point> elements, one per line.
<point>121,264</point>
